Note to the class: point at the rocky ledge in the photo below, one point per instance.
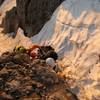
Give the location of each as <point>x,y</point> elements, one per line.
<point>24,79</point>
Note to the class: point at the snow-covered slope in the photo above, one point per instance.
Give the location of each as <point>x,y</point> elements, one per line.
<point>74,22</point>
<point>74,31</point>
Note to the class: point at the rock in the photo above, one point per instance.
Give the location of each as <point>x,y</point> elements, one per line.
<point>2,85</point>
<point>33,14</point>
<point>6,57</point>
<point>10,21</point>
<point>4,96</point>
<point>30,15</point>
<point>61,94</point>
<point>21,58</point>
<point>15,94</point>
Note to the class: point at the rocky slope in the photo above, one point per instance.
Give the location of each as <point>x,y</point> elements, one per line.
<point>23,79</point>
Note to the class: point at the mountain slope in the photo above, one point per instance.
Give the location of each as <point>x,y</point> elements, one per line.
<point>74,31</point>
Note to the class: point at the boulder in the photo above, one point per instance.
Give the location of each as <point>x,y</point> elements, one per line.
<point>33,14</point>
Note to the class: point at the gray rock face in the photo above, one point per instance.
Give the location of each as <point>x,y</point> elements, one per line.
<point>33,14</point>
<point>10,21</point>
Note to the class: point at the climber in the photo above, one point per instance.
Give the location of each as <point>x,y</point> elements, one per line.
<point>42,52</point>
<point>32,51</point>
<point>38,52</point>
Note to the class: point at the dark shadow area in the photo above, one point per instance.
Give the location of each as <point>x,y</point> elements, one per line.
<point>1,1</point>
<point>10,21</point>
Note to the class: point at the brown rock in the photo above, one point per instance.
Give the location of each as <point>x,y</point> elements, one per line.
<point>32,80</point>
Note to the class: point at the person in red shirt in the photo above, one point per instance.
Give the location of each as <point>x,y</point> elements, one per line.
<point>31,51</point>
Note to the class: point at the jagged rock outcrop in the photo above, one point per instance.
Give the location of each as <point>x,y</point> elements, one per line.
<point>33,14</point>
<point>10,21</point>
